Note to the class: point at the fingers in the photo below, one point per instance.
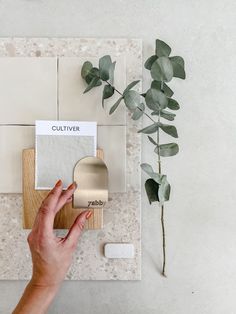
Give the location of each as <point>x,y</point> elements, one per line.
<point>76,229</point>
<point>66,196</point>
<point>46,213</point>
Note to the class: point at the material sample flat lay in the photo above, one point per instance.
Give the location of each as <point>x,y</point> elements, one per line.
<point>116,136</point>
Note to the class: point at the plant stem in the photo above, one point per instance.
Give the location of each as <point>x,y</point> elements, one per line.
<point>137,107</point>
<point>163,241</point>
<point>162,205</point>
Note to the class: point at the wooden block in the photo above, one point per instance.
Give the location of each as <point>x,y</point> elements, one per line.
<point>32,199</point>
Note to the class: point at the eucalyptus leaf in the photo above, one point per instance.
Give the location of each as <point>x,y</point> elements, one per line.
<point>138,112</point>
<point>94,72</point>
<point>131,85</point>
<point>152,188</point>
<point>166,89</point>
<point>86,68</point>
<point>154,175</point>
<point>167,115</point>
<point>111,72</point>
<point>178,67</point>
<point>164,190</point>
<point>149,62</point>
<point>155,99</point>
<point>147,168</point>
<point>167,150</point>
<point>164,114</point>
<point>162,49</point>
<point>152,140</point>
<point>94,82</point>
<point>169,129</point>
<point>108,91</point>
<point>132,99</point>
<point>149,129</point>
<point>105,65</point>
<point>162,69</point>
<point>173,104</point>
<point>115,106</point>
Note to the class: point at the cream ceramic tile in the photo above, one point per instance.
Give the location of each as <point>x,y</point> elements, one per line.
<point>112,139</point>
<point>28,89</point>
<point>73,104</point>
<point>13,139</point>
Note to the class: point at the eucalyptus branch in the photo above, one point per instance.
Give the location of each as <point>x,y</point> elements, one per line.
<point>137,106</point>
<point>162,68</point>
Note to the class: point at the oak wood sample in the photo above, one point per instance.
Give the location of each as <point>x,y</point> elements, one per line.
<point>32,199</point>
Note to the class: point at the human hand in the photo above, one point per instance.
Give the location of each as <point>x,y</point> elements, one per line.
<point>51,255</point>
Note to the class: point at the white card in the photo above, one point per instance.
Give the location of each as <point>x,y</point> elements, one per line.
<point>59,145</point>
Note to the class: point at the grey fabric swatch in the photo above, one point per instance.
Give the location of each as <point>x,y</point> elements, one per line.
<point>56,157</point>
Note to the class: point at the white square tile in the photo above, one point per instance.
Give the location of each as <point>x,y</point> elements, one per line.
<point>73,104</point>
<point>112,139</point>
<point>13,139</point>
<point>28,89</point>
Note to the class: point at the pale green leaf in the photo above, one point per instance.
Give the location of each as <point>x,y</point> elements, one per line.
<point>169,129</point>
<point>166,89</point>
<point>105,65</point>
<point>86,68</point>
<point>138,112</point>
<point>115,106</point>
<point>111,72</point>
<point>149,62</point>
<point>149,129</point>
<point>152,140</point>
<point>94,82</point>
<point>108,91</point>
<point>162,49</point>
<point>172,104</point>
<point>178,67</point>
<point>167,150</point>
<point>131,85</point>
<point>164,190</point>
<point>162,69</point>
<point>154,175</point>
<point>131,99</point>
<point>155,99</point>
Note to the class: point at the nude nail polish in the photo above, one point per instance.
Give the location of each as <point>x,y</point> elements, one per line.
<point>88,215</point>
<point>58,183</point>
<point>72,186</point>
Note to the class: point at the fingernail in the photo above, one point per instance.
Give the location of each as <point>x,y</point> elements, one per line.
<point>72,186</point>
<point>88,215</point>
<point>59,182</point>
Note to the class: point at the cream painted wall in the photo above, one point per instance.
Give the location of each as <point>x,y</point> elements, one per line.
<point>201,216</point>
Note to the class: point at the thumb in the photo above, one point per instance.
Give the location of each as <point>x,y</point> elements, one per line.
<point>76,229</point>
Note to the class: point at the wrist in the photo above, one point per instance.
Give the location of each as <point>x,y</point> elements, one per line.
<point>46,287</point>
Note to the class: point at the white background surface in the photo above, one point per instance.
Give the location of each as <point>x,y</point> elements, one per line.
<point>201,216</point>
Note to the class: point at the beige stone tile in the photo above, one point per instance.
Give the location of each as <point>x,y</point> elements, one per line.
<point>73,104</point>
<point>112,139</point>
<point>13,139</point>
<point>28,89</point>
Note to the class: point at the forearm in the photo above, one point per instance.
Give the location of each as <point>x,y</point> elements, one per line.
<point>36,299</point>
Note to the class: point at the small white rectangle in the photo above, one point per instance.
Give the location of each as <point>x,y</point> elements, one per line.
<point>87,128</point>
<point>119,250</point>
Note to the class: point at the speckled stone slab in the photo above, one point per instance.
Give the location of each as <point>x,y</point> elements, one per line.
<point>122,214</point>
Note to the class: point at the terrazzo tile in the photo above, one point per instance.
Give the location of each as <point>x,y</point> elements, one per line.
<point>122,214</point>
<point>28,89</point>
<point>73,103</point>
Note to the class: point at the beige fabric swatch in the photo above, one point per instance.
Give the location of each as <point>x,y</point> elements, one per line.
<point>56,157</point>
